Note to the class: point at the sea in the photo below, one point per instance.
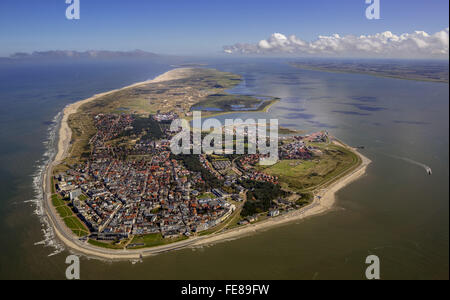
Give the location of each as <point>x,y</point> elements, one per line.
<point>396,211</point>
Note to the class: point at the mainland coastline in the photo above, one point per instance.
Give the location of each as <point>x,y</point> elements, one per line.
<point>324,198</point>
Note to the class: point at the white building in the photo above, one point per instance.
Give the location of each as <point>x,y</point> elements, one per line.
<point>75,194</point>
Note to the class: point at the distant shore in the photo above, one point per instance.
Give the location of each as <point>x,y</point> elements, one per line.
<point>324,199</point>
<point>394,74</point>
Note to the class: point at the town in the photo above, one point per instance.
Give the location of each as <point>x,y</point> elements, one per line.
<point>132,184</point>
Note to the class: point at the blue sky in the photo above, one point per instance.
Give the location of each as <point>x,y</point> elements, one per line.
<point>200,26</point>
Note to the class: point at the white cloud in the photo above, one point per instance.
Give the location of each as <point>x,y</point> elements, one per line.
<point>418,44</point>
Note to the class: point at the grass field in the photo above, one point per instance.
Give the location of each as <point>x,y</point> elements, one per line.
<point>75,225</point>
<point>52,182</point>
<point>152,240</point>
<point>57,201</point>
<point>205,196</point>
<point>304,175</point>
<point>71,221</point>
<point>64,211</point>
<point>105,245</point>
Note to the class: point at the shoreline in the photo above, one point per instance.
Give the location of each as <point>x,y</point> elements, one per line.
<point>65,134</point>
<point>319,206</point>
<point>323,201</point>
<point>399,77</point>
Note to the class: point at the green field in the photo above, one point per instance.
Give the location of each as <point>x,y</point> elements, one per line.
<point>205,196</point>
<point>304,175</point>
<point>104,245</point>
<point>152,240</point>
<point>64,211</point>
<point>57,201</point>
<point>71,221</point>
<point>76,226</point>
<point>52,182</point>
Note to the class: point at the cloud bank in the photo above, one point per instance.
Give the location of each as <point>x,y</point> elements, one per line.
<point>418,44</point>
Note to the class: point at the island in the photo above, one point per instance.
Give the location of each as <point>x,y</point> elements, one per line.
<point>114,190</point>
<point>434,71</point>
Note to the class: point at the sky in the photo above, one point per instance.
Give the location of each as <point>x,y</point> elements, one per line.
<point>204,27</point>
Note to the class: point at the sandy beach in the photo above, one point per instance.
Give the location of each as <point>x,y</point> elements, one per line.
<point>323,201</point>
<point>65,134</point>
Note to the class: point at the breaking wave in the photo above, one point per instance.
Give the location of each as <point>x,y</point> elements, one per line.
<point>38,176</point>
